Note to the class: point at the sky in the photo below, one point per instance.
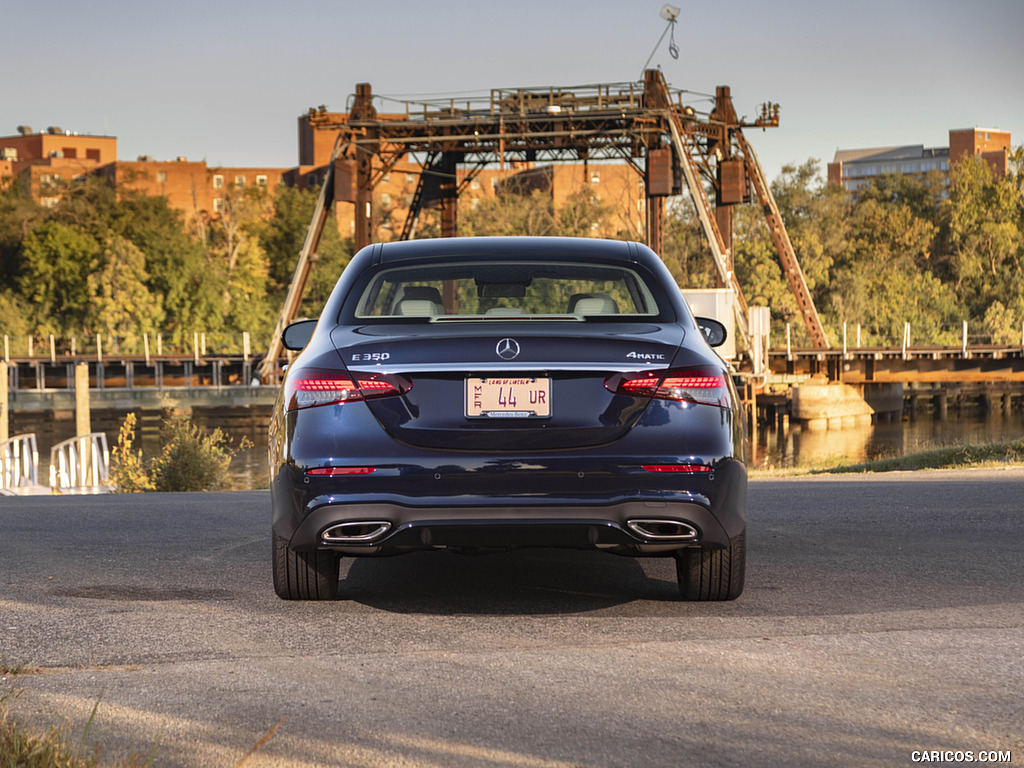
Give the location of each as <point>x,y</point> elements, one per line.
<point>225,80</point>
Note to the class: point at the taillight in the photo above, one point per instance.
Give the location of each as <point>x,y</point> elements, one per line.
<point>696,385</point>
<point>690,469</point>
<point>338,471</point>
<point>310,387</point>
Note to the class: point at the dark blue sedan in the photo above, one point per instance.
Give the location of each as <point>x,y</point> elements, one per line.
<point>481,394</point>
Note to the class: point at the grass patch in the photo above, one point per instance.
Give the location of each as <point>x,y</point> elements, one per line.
<point>10,670</point>
<point>1005,454</point>
<point>21,748</point>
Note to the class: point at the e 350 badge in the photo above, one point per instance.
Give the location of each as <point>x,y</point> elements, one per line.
<point>370,357</point>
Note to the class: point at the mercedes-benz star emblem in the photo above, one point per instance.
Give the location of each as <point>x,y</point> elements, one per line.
<point>507,349</point>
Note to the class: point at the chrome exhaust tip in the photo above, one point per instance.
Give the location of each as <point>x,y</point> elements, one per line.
<point>663,530</point>
<point>356,532</point>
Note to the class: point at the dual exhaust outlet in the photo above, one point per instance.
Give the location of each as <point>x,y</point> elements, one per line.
<point>370,531</point>
<point>662,530</point>
<point>358,532</point>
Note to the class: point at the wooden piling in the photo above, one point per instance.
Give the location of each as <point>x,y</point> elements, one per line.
<point>83,416</point>
<point>5,422</point>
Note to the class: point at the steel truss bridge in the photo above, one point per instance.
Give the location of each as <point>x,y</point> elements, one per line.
<point>673,147</point>
<point>924,364</point>
<point>39,383</point>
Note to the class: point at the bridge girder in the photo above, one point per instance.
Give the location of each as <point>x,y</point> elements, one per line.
<point>625,121</point>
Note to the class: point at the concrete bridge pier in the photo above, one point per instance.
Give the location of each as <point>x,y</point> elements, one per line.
<point>985,401</point>
<point>885,399</point>
<point>912,405</point>
<point>820,405</point>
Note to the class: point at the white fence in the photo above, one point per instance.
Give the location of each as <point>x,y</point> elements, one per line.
<point>80,465</point>
<point>19,464</point>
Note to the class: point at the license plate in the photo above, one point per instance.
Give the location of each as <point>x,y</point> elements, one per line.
<point>508,398</point>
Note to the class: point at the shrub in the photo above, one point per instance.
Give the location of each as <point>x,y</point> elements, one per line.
<point>191,459</point>
<point>128,471</point>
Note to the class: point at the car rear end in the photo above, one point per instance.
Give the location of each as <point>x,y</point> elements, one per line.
<point>491,394</point>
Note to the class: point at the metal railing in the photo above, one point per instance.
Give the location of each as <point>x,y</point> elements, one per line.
<point>19,463</point>
<point>80,465</point>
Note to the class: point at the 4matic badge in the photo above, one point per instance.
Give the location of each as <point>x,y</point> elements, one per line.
<point>644,356</point>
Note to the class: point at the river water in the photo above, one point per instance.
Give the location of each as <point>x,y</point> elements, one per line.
<point>793,446</point>
<point>775,447</point>
<point>787,447</point>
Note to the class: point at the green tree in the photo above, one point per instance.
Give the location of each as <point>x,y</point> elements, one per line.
<point>19,215</point>
<point>817,222</point>
<point>986,244</point>
<point>122,305</point>
<point>816,218</point>
<point>923,195</point>
<point>283,235</point>
<point>237,268</point>
<point>176,264</point>
<point>510,213</point>
<point>56,262</point>
<point>86,205</point>
<point>1002,324</point>
<point>885,280</point>
<point>583,214</point>
<point>758,269</point>
<point>684,248</point>
<point>246,306</point>
<point>14,314</point>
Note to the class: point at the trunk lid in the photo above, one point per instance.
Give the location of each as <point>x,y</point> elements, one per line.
<point>509,386</point>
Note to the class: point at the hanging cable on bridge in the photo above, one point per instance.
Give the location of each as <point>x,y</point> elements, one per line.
<point>671,14</point>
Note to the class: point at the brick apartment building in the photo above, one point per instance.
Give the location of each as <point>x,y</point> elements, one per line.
<point>46,160</point>
<point>853,169</point>
<point>192,187</point>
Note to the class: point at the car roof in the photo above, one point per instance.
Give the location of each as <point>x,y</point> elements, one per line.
<point>504,247</point>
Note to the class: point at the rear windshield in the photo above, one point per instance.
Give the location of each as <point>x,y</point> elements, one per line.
<point>507,290</point>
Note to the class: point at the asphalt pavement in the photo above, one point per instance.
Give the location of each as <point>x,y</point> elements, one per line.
<point>881,622</point>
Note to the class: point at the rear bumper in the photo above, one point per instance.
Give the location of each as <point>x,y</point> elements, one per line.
<point>629,528</point>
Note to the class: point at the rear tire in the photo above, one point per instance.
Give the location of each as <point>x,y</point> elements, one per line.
<point>712,574</point>
<point>304,575</point>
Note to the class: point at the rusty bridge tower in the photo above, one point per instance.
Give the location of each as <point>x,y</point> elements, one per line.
<point>647,125</point>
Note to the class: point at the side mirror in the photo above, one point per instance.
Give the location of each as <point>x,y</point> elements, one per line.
<point>297,335</point>
<point>714,332</point>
